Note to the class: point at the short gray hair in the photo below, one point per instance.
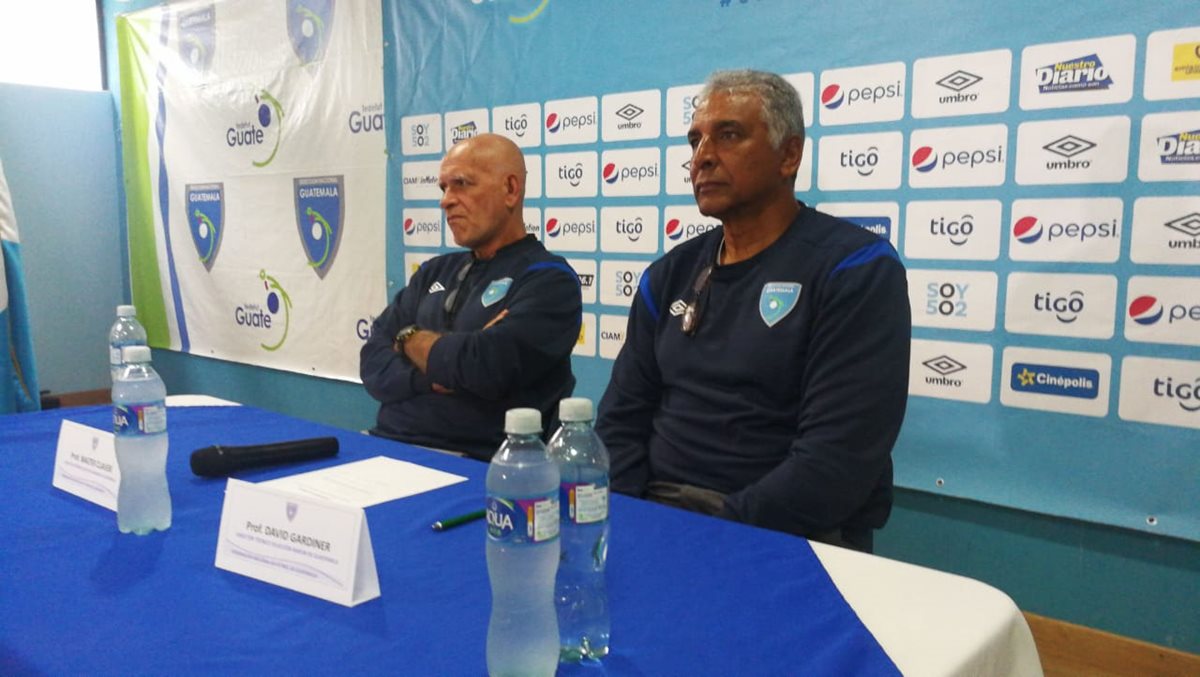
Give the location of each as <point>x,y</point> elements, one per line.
<point>781,108</point>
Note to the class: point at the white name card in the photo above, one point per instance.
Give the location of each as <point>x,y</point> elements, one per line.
<point>297,542</point>
<point>85,464</point>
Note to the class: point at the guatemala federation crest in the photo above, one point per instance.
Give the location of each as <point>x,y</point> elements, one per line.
<point>309,26</point>
<point>495,291</point>
<point>319,211</point>
<point>777,300</point>
<point>198,37</point>
<point>292,508</point>
<point>206,219</point>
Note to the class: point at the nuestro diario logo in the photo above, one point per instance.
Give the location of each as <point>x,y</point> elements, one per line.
<point>1182,148</point>
<point>1085,73</point>
<point>206,219</point>
<point>268,121</point>
<point>320,208</point>
<point>1055,380</point>
<point>309,23</point>
<point>263,317</point>
<point>198,38</point>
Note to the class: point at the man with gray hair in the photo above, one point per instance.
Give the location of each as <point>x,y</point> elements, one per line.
<point>764,374</point>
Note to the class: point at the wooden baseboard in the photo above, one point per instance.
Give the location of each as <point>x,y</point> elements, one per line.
<point>1067,650</point>
<point>83,397</point>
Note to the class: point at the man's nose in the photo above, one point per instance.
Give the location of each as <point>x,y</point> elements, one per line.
<point>447,199</point>
<point>703,155</point>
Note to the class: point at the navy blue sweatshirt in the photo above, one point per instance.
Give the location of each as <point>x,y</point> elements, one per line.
<point>522,361</point>
<point>789,395</point>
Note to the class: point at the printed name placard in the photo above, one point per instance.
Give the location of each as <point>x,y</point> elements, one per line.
<point>85,464</point>
<point>297,542</point>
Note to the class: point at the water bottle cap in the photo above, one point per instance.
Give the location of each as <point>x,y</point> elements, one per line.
<point>126,311</point>
<point>135,354</point>
<point>523,421</point>
<point>575,409</point>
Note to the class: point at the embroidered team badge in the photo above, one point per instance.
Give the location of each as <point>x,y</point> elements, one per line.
<point>777,300</point>
<point>495,291</point>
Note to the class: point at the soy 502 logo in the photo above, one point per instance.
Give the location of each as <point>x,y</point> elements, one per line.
<point>267,122</point>
<point>953,299</point>
<point>265,317</point>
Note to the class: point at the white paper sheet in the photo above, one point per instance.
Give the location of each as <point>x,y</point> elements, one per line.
<point>368,482</point>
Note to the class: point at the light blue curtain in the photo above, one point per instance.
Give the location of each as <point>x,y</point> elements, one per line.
<point>18,374</point>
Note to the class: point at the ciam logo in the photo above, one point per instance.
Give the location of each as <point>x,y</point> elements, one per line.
<point>556,123</point>
<point>555,227</point>
<point>268,116</point>
<point>676,229</point>
<point>834,96</point>
<point>1179,149</point>
<point>612,173</point>
<point>925,159</point>
<point>1085,73</point>
<point>264,316</point>
<point>1030,229</point>
<point>1186,395</point>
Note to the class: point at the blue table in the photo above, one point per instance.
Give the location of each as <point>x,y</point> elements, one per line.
<point>690,595</point>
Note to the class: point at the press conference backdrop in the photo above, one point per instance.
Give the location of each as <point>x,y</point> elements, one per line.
<point>254,162</point>
<point>1037,167</point>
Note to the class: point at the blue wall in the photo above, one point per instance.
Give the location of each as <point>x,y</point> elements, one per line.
<point>59,152</point>
<point>58,148</point>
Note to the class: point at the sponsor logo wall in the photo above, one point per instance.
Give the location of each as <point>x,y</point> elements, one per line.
<point>1044,196</point>
<point>257,195</point>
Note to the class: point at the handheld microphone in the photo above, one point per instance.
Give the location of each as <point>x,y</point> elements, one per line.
<point>220,461</point>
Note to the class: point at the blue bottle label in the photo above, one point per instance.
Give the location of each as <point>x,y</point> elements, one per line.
<point>584,502</point>
<point>519,521</point>
<point>149,418</point>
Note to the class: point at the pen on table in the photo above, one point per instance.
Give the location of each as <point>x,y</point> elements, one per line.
<point>442,525</point>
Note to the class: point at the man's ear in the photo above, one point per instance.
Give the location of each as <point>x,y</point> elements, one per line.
<point>514,190</point>
<point>793,152</point>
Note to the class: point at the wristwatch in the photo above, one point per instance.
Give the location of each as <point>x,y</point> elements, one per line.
<point>403,335</point>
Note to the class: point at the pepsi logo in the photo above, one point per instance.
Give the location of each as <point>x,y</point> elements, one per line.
<point>1145,310</point>
<point>610,173</point>
<point>553,228</point>
<point>552,122</point>
<point>832,97</point>
<point>924,159</point>
<point>1027,229</point>
<point>409,228</point>
<point>674,229</point>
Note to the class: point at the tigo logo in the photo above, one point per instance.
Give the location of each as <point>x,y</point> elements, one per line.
<point>924,159</point>
<point>1080,74</point>
<point>1028,230</point>
<point>1145,310</point>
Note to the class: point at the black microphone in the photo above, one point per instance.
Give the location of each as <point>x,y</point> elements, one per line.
<point>220,461</point>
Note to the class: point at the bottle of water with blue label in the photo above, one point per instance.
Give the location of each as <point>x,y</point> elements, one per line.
<point>140,428</point>
<point>522,550</point>
<point>126,331</point>
<point>580,594</point>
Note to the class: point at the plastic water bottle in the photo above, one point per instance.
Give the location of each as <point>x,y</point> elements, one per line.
<point>140,427</point>
<point>126,331</point>
<point>522,550</point>
<point>580,594</point>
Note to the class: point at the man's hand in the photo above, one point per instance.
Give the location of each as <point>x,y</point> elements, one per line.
<point>417,348</point>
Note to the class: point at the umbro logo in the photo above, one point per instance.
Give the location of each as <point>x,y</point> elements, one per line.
<point>436,287</point>
<point>678,307</point>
